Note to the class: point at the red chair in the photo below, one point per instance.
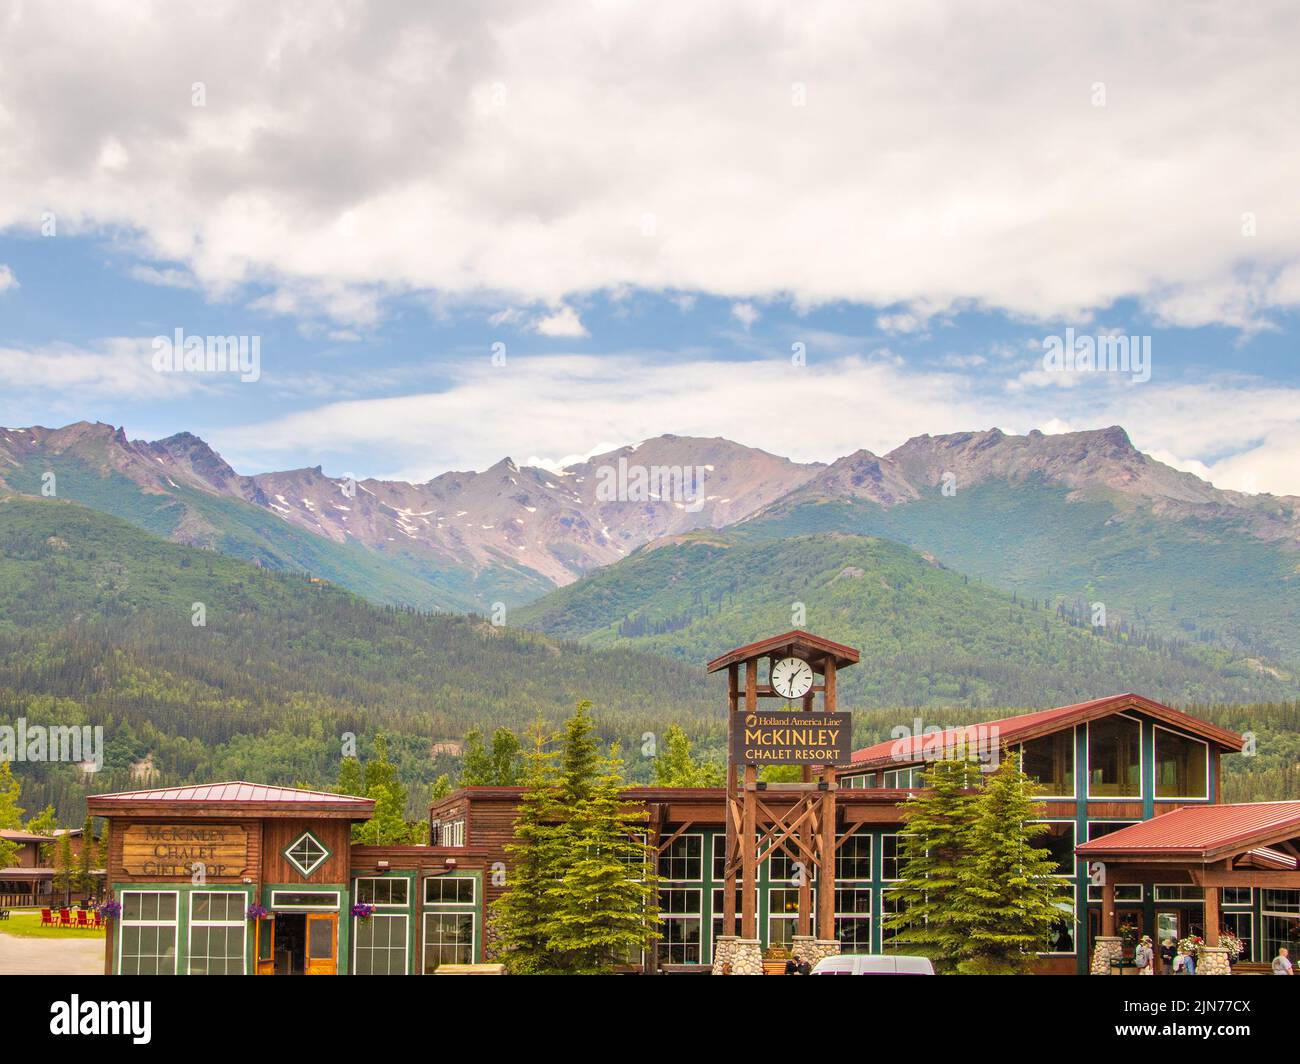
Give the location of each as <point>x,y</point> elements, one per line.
<point>82,920</point>
<point>65,918</point>
<point>47,918</point>
<point>98,921</point>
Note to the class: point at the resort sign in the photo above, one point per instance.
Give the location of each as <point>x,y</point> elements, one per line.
<point>220,850</point>
<point>793,738</point>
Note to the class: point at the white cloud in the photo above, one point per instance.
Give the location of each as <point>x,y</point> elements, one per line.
<point>519,149</point>
<point>562,322</point>
<point>7,278</point>
<point>63,375</point>
<point>745,313</point>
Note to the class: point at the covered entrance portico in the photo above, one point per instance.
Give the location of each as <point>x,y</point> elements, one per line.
<point>1241,863</point>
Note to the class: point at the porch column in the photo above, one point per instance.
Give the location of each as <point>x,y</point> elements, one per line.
<point>1211,916</point>
<point>1108,908</point>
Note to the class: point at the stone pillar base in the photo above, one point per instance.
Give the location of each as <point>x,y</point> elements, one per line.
<point>1212,960</point>
<point>1106,948</point>
<point>744,955</point>
<point>814,949</point>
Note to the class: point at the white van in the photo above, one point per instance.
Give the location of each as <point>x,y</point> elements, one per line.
<point>862,964</point>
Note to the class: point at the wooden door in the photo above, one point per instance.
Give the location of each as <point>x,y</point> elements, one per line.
<point>265,945</point>
<point>322,943</point>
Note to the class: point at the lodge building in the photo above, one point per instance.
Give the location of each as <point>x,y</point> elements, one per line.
<point>1131,792</point>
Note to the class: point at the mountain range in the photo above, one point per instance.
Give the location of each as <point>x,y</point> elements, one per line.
<point>1075,518</point>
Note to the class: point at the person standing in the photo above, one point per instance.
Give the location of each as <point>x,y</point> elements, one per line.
<point>1144,957</point>
<point>1282,963</point>
<point>792,965</point>
<point>1168,951</point>
<point>804,967</point>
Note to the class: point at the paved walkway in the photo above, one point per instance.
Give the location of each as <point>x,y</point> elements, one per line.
<point>50,956</point>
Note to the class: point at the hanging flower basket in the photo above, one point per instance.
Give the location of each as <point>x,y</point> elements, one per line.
<point>258,912</point>
<point>362,911</point>
<point>109,909</point>
<point>1191,945</point>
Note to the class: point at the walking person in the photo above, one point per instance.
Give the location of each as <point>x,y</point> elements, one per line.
<point>1282,963</point>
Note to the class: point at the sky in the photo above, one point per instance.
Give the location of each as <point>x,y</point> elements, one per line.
<point>459,232</point>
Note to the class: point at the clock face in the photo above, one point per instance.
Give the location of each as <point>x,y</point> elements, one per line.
<point>792,677</point>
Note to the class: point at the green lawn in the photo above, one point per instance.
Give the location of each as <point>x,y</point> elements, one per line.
<point>26,923</point>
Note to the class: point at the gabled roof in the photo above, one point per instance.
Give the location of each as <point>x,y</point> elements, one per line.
<point>912,750</point>
<point>237,794</point>
<point>1204,832</point>
<point>12,835</point>
<point>797,642</point>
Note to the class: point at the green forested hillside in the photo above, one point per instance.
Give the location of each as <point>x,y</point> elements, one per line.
<point>928,636</point>
<point>236,528</point>
<point>1202,581</point>
<point>96,628</point>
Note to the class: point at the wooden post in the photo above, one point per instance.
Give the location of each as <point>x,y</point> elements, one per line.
<point>826,869</point>
<point>1211,916</point>
<point>1108,908</point>
<point>749,826</point>
<point>728,806</point>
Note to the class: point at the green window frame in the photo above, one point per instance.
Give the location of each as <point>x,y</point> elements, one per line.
<point>218,933</point>
<point>148,932</point>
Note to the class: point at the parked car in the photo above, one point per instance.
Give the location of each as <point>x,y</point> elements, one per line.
<point>872,964</point>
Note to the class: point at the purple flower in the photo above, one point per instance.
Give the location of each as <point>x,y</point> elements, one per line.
<point>257,912</point>
<point>362,911</point>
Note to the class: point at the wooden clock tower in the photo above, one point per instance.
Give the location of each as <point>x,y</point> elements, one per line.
<point>795,819</point>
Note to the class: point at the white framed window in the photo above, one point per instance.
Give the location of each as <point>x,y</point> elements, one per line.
<point>718,894</point>
<point>903,778</point>
<point>305,900</point>
<point>1125,892</point>
<point>306,853</point>
<point>681,925</point>
<point>450,890</point>
<point>1243,926</point>
<point>218,932</point>
<point>1061,938</point>
<point>452,833</point>
<point>1236,895</point>
<point>853,855</point>
<point>783,916</point>
<point>1178,892</point>
<point>383,891</point>
<point>449,938</point>
<point>1115,762</point>
<point>1058,840</point>
<point>379,944</point>
<point>892,856</point>
<point>853,919</point>
<point>683,859</point>
<point>147,927</point>
<point>891,904</point>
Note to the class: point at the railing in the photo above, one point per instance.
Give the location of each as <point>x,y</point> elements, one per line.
<point>15,901</point>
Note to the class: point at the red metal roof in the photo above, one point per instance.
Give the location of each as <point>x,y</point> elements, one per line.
<point>912,749</point>
<point>798,639</point>
<point>237,791</point>
<point>1201,831</point>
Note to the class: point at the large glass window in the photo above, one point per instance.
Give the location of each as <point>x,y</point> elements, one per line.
<point>1182,766</point>
<point>683,859</point>
<point>891,904</point>
<point>449,890</point>
<point>448,939</point>
<point>1115,758</point>
<point>1050,760</point>
<point>1058,840</point>
<point>381,942</point>
<point>387,890</point>
<point>148,935</point>
<point>717,910</point>
<point>853,919</point>
<point>783,915</point>
<point>891,857</point>
<point>1060,939</point>
<point>680,918</point>
<point>1243,926</point>
<point>218,925</point>
<point>853,858</point>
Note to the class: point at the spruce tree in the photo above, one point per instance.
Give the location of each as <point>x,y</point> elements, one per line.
<point>1011,894</point>
<point>84,881</point>
<point>677,767</point>
<point>935,847</point>
<point>63,869</point>
<point>519,937</point>
<point>602,912</point>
